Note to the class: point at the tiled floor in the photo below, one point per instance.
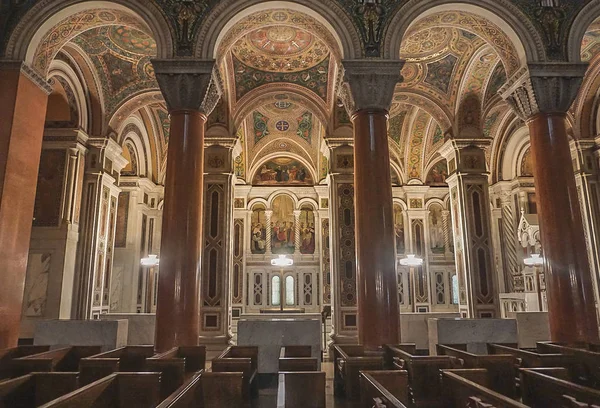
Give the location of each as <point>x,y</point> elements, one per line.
<point>268,396</point>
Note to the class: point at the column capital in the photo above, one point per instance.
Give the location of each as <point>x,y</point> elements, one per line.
<point>368,84</point>
<point>189,84</point>
<point>297,213</point>
<point>29,72</point>
<point>465,155</point>
<point>543,88</point>
<point>268,213</point>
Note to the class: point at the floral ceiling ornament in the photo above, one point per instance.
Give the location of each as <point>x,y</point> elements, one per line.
<point>372,14</point>
<point>187,14</point>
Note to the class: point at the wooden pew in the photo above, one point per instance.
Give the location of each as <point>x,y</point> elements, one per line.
<point>297,358</point>
<point>59,360</point>
<point>176,365</point>
<point>588,361</point>
<point>423,373</point>
<point>468,388</point>
<point>500,367</point>
<point>542,390</point>
<point>9,354</point>
<point>33,390</point>
<point>121,390</point>
<point>208,390</point>
<point>242,359</point>
<point>349,360</point>
<point>124,359</point>
<point>389,386</point>
<point>305,389</point>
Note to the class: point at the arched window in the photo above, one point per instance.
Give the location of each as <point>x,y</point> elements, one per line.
<point>455,289</point>
<point>275,290</point>
<point>290,299</point>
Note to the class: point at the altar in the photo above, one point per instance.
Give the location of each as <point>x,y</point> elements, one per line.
<point>270,332</point>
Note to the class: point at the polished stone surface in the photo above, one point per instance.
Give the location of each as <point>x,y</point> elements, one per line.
<point>61,333</point>
<point>475,333</point>
<point>141,329</point>
<point>414,327</point>
<point>531,327</point>
<point>269,333</point>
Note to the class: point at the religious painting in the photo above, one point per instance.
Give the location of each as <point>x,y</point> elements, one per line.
<point>282,225</point>
<point>122,218</point>
<point>48,196</point>
<point>436,229</point>
<point>438,174</point>
<point>283,171</point>
<point>307,231</point>
<point>399,229</point>
<point>258,230</point>
<point>36,285</point>
<point>527,164</point>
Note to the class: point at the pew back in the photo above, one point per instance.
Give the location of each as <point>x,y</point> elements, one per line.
<point>301,389</point>
<point>33,390</point>
<point>383,384</point>
<point>542,390</point>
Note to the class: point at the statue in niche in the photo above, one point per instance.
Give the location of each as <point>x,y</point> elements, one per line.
<point>436,229</point>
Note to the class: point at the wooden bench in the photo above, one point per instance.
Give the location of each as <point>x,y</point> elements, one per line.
<point>124,359</point>
<point>390,387</point>
<point>242,359</point>
<point>120,390</point>
<point>468,388</point>
<point>588,361</point>
<point>423,373</point>
<point>60,360</point>
<point>33,390</point>
<point>297,358</point>
<point>9,354</point>
<point>349,361</point>
<point>208,390</point>
<point>500,368</point>
<point>305,389</point>
<point>176,365</point>
<point>540,389</point>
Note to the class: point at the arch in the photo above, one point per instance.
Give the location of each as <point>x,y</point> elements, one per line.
<point>62,69</point>
<point>36,25</point>
<point>307,201</point>
<point>135,132</point>
<point>414,98</point>
<point>503,13</point>
<point>433,201</point>
<point>228,13</point>
<point>255,167</point>
<point>515,147</point>
<point>401,203</point>
<point>583,20</point>
<point>256,201</point>
<point>397,168</point>
<point>282,192</point>
<point>132,105</point>
<point>259,157</point>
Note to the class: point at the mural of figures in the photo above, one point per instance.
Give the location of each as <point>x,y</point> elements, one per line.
<point>527,164</point>
<point>399,230</point>
<point>258,231</point>
<point>436,229</point>
<point>307,231</point>
<point>438,174</point>
<point>282,225</point>
<point>283,171</point>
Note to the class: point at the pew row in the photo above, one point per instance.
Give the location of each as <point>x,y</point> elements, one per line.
<point>176,365</point>
<point>35,389</point>
<point>387,387</point>
<point>60,360</point>
<point>297,358</point>
<point>348,361</point>
<point>9,354</point>
<point>208,390</point>
<point>539,389</point>
<point>588,360</point>
<point>123,359</point>
<point>303,389</point>
<point>242,359</point>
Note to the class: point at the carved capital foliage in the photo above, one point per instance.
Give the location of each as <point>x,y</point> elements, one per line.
<point>543,88</point>
<point>189,84</point>
<point>369,84</point>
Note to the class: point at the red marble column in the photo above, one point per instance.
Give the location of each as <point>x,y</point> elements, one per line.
<point>379,315</point>
<point>22,114</point>
<point>568,278</point>
<point>178,309</point>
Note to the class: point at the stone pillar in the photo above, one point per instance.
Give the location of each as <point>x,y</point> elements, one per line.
<point>218,247</point>
<point>297,231</point>
<point>470,205</point>
<point>22,114</point>
<point>447,233</point>
<point>417,243</point>
<point>269,232</point>
<point>542,97</point>
<point>191,89</point>
<point>367,95</point>
<point>97,228</point>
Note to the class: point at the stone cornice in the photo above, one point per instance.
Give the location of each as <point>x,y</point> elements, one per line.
<point>369,84</point>
<point>29,73</point>
<point>189,84</point>
<point>543,88</point>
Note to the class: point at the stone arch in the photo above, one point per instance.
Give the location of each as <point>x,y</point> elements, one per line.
<point>60,69</point>
<point>515,148</point>
<point>503,13</point>
<point>282,192</point>
<point>134,131</point>
<point>308,202</point>
<point>35,29</point>
<point>581,23</point>
<point>227,13</point>
<point>257,201</point>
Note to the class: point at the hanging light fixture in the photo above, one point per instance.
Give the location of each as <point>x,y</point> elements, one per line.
<point>411,260</point>
<point>151,260</point>
<point>534,260</point>
<point>282,261</point>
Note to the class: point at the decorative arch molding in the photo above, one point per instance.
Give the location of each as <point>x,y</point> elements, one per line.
<point>503,13</point>
<point>433,201</point>
<point>256,166</point>
<point>282,192</point>
<point>397,168</point>
<point>442,116</point>
<point>587,103</point>
<point>35,29</point>
<point>433,161</point>
<point>227,13</point>
<point>295,149</point>
<point>257,201</point>
<point>583,20</point>
<point>135,131</point>
<point>307,201</point>
<point>132,105</point>
<point>516,145</point>
<point>63,70</point>
<point>401,203</point>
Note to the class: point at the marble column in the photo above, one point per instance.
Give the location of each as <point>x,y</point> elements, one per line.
<point>447,233</point>
<point>269,232</point>
<point>369,90</point>
<point>297,231</point>
<point>542,97</point>
<point>470,205</point>
<point>191,90</point>
<point>22,113</point>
